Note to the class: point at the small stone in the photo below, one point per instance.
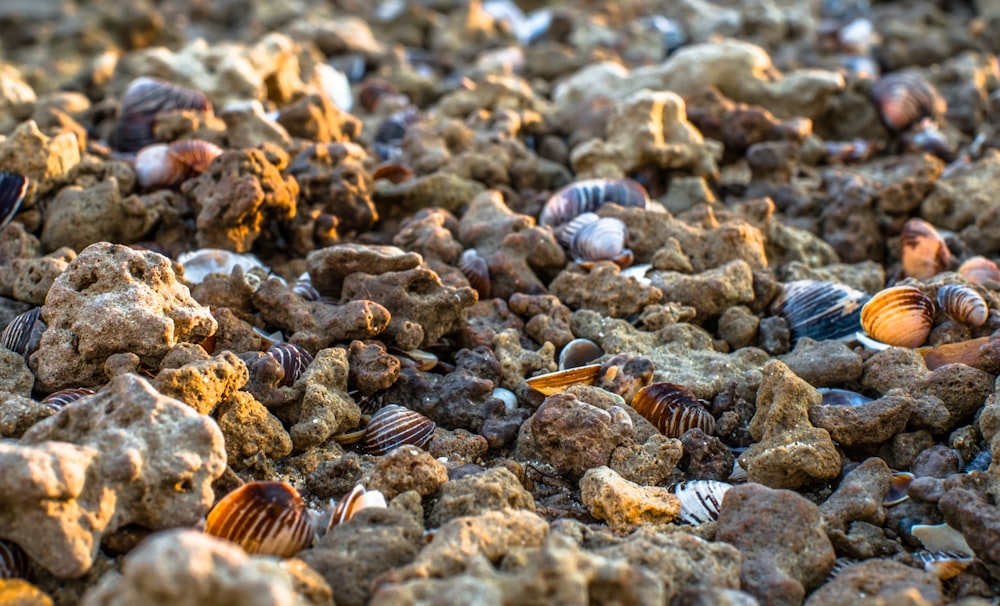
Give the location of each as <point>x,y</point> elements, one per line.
<point>625,505</point>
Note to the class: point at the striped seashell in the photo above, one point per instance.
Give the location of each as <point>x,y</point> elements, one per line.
<point>162,165</point>
<point>355,501</point>
<point>944,564</point>
<point>601,240</point>
<point>555,382</point>
<point>568,230</point>
<point>201,263</point>
<point>963,304</point>
<point>420,359</point>
<point>588,196</point>
<point>579,352</point>
<point>266,518</point>
<point>303,287</point>
<point>700,500</point>
<point>393,426</point>
<point>23,333</point>
<point>13,187</point>
<point>923,252</point>
<point>900,316</point>
<point>979,270</point>
<point>143,100</point>
<point>293,360</point>
<point>58,400</point>
<point>14,563</point>
<point>672,409</point>
<point>820,310</point>
<point>899,484</point>
<point>904,98</point>
<point>833,396</point>
<point>477,271</point>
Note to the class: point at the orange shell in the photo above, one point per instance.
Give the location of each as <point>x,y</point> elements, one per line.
<point>900,316</point>
<point>266,518</point>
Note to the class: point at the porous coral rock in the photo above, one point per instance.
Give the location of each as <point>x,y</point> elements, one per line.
<point>372,368</point>
<point>859,496</point>
<point>325,407</point>
<point>885,581</point>
<point>789,452</point>
<point>46,161</point>
<point>962,202</point>
<point>604,290</point>
<point>711,292</point>
<point>127,455</point>
<point>316,118</point>
<point>406,468</point>
<point>866,424</point>
<point>202,383</point>
<point>247,126</point>
<point>439,189</point>
<point>113,299</point>
<point>333,180</point>
<point>823,363</point>
<point>329,267</point>
<point>34,277</point>
<point>250,430</point>
<point>626,505</point>
<point>547,318</point>
<point>494,489</point>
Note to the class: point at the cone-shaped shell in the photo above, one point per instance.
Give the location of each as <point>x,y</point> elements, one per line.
<point>979,270</point>
<point>905,98</point>
<point>393,426</point>
<point>23,332</point>
<point>57,400</point>
<point>13,187</point>
<point>14,563</point>
<point>700,500</point>
<point>293,360</point>
<point>963,304</point>
<point>923,252</point>
<point>555,382</point>
<point>820,310</point>
<point>588,196</point>
<point>672,409</point>
<point>901,316</point>
<point>267,518</point>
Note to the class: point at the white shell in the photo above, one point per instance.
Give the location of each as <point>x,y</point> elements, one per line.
<point>201,263</point>
<point>700,500</point>
<point>942,537</point>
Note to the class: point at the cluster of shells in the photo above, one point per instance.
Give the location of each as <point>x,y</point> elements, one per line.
<point>937,295</point>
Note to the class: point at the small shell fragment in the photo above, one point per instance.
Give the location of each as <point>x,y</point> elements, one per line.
<point>14,563</point>
<point>899,482</point>
<point>293,360</point>
<point>24,332</point>
<point>944,564</point>
<point>900,316</point>
<point>820,310</point>
<point>58,400</point>
<point>700,500</point>
<point>267,518</point>
<point>477,271</point>
<point>393,426</point>
<point>588,196</point>
<point>672,409</point>
<point>941,537</point>
<point>13,187</point>
<point>555,382</point>
<point>923,252</point>
<point>963,304</point>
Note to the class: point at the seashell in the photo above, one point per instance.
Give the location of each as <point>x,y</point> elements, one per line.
<point>269,338</point>
<point>601,240</point>
<point>372,91</point>
<point>477,271</point>
<point>13,187</point>
<point>303,287</point>
<point>979,353</point>
<point>980,462</point>
<point>979,270</point>
<point>963,304</point>
<point>420,359</point>
<point>555,382</point>
<point>568,230</point>
<point>588,196</point>
<point>355,501</point>
<point>923,252</point>
<point>201,263</point>
<point>579,352</point>
<point>335,85</point>
<point>145,98</point>
<point>23,333</point>
<point>57,400</point>
<point>638,273</point>
<point>393,426</point>
<point>267,518</point>
<point>162,165</point>
<point>820,310</point>
<point>14,563</point>
<point>900,316</point>
<point>394,172</point>
<point>293,360</point>
<point>944,564</point>
<point>941,537</point>
<point>700,500</point>
<point>508,397</point>
<point>928,137</point>
<point>672,409</point>
<point>899,482</point>
<point>904,98</point>
<point>833,396</point>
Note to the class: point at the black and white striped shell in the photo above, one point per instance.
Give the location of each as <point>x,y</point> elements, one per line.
<point>13,187</point>
<point>904,98</point>
<point>23,333</point>
<point>900,316</point>
<point>579,352</point>
<point>820,310</point>
<point>14,563</point>
<point>700,500</point>
<point>167,165</point>
<point>393,426</point>
<point>56,401</point>
<point>303,287</point>
<point>267,518</point>
<point>673,409</point>
<point>143,100</point>
<point>588,196</point>
<point>293,360</point>
<point>963,304</point>
<point>944,564</point>
<point>604,239</point>
<point>477,271</point>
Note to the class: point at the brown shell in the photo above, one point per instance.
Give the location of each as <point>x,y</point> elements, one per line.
<point>944,564</point>
<point>899,483</point>
<point>14,563</point>
<point>963,304</point>
<point>672,409</point>
<point>144,99</point>
<point>393,426</point>
<point>923,252</point>
<point>555,382</point>
<point>905,98</point>
<point>393,172</point>
<point>979,270</point>
<point>601,240</point>
<point>477,271</point>
<point>900,316</point>
<point>57,400</point>
<point>22,334</point>
<point>579,352</point>
<point>293,359</point>
<point>588,196</point>
<point>13,187</point>
<point>266,518</point>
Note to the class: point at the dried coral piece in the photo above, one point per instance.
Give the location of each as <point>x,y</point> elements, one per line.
<point>672,409</point>
<point>143,100</point>
<point>588,196</point>
<point>555,382</point>
<point>268,518</point>
<point>904,98</point>
<point>393,426</point>
<point>923,252</point>
<point>963,304</point>
<point>900,316</point>
<point>13,187</point>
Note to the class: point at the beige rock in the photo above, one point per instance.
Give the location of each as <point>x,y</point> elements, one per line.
<point>626,505</point>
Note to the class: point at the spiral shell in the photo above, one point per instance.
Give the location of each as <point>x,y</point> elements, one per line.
<point>904,98</point>
<point>601,240</point>
<point>267,518</point>
<point>819,310</point>
<point>923,252</point>
<point>23,333</point>
<point>555,382</point>
<point>293,360</point>
<point>477,271</point>
<point>672,409</point>
<point>979,270</point>
<point>900,316</point>
<point>588,196</point>
<point>57,400</point>
<point>579,352</point>
<point>393,426</point>
<point>13,187</point>
<point>14,563</point>
<point>700,500</point>
<point>963,304</point>
<point>145,98</point>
